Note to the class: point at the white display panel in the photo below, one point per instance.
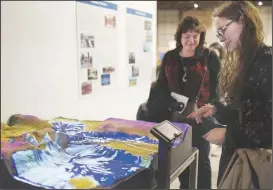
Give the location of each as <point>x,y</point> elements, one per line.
<point>97,23</point>
<point>139,40</point>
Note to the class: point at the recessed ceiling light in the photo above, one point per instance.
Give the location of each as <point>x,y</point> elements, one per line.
<point>260,3</point>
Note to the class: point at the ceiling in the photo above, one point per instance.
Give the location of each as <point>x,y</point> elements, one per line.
<point>186,5</point>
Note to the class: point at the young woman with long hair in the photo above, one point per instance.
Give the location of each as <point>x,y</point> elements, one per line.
<point>245,83</point>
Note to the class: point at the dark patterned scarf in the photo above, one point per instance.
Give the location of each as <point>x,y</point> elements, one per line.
<point>174,73</point>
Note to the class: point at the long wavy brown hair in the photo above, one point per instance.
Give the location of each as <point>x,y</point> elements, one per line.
<point>238,63</point>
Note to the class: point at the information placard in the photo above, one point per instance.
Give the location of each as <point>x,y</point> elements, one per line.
<point>97,46</point>
<point>139,38</point>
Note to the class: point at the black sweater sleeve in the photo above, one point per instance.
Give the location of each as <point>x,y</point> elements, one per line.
<point>214,65</point>
<point>256,129</point>
<point>160,102</point>
<point>162,82</point>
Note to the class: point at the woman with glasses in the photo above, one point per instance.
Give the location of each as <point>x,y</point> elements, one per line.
<point>245,83</point>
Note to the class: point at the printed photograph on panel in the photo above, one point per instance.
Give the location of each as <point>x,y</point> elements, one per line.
<point>86,88</point>
<point>92,74</point>
<point>110,21</point>
<point>132,58</point>
<point>87,41</point>
<point>86,60</point>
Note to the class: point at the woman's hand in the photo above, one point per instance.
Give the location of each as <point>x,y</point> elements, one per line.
<point>205,111</point>
<point>216,136</point>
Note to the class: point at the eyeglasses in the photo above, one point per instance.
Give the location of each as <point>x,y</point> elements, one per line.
<point>221,31</point>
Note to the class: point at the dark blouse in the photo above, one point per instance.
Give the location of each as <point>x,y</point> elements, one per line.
<point>255,128</point>
<point>171,75</point>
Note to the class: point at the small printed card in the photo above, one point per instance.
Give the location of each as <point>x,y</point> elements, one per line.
<point>182,99</point>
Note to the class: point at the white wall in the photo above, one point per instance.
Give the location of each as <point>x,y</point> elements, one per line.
<point>266,16</point>
<point>39,63</point>
<point>167,25</point>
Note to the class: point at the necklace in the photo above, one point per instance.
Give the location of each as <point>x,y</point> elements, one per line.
<point>184,69</point>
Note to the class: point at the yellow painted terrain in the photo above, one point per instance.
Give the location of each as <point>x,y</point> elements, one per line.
<point>82,183</point>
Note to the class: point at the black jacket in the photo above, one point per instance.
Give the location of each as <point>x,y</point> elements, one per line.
<point>255,128</point>
<point>160,104</point>
<point>171,57</point>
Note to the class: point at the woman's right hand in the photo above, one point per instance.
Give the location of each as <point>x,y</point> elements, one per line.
<point>205,111</point>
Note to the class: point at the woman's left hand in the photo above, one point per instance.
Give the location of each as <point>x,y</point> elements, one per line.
<point>216,136</point>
